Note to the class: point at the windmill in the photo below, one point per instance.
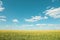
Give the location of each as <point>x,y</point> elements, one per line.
<point>1,6</point>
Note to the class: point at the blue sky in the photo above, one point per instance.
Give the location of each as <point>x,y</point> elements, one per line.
<point>29,14</point>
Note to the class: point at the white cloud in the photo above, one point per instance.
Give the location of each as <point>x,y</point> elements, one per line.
<point>27,25</point>
<point>45,17</point>
<point>40,24</point>
<point>36,18</point>
<point>33,27</point>
<point>3,18</point>
<point>1,8</point>
<point>48,25</point>
<point>15,20</point>
<point>40,27</point>
<point>53,12</point>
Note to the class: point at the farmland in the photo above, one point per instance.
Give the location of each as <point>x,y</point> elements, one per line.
<point>29,35</point>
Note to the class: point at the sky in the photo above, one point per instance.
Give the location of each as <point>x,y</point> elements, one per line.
<point>29,14</point>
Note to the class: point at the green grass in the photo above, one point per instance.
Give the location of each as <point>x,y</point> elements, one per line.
<point>29,35</point>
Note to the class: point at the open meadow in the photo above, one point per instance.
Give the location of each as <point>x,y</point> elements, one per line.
<point>29,35</point>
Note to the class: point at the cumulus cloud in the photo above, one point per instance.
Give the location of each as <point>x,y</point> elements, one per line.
<point>53,12</point>
<point>45,17</point>
<point>3,18</point>
<point>15,20</point>
<point>36,18</point>
<point>1,8</point>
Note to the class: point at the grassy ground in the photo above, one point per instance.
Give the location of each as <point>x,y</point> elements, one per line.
<point>29,35</point>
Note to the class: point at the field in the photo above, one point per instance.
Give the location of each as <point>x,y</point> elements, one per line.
<point>29,35</point>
